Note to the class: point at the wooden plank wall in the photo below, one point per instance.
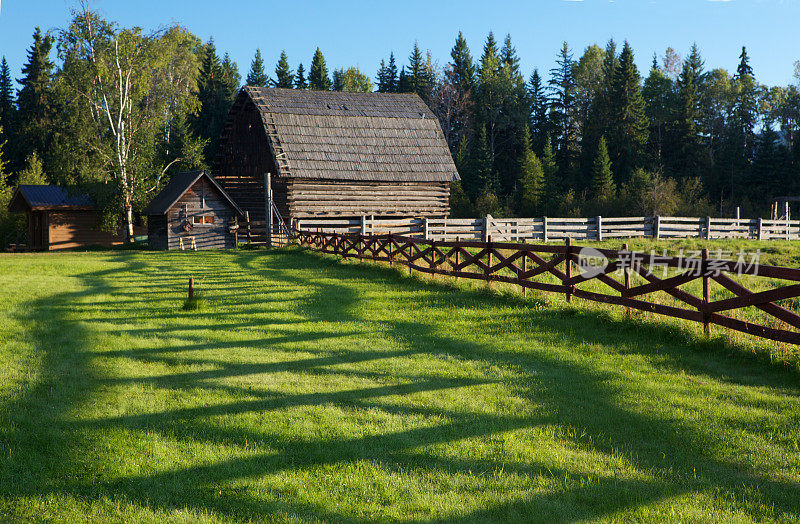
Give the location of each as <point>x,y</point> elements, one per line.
<point>75,229</point>
<point>202,199</point>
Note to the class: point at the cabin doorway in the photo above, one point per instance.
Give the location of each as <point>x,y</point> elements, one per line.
<point>37,229</point>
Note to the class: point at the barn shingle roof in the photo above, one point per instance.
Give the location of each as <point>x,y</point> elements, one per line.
<point>351,136</point>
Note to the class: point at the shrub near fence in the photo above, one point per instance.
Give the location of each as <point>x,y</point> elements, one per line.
<point>548,228</point>
<point>527,265</point>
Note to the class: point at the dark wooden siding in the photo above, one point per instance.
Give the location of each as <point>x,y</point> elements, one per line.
<point>202,199</point>
<point>157,231</point>
<point>243,160</point>
<point>74,229</point>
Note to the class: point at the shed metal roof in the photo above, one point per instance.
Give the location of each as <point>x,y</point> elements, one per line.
<point>37,198</point>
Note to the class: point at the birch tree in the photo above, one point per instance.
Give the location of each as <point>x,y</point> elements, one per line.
<point>132,84</point>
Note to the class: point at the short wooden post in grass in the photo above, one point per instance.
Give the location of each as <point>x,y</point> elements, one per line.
<point>568,268</point>
<point>706,294</point>
<point>489,264</point>
<point>191,288</point>
<point>247,219</point>
<point>627,277</point>
<point>391,249</point>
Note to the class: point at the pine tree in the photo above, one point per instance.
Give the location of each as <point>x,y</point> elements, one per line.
<point>463,66</point>
<point>6,101</point>
<point>257,76</point>
<point>508,56</point>
<point>34,102</point>
<point>185,145</point>
<point>391,75</point>
<point>657,93</point>
<point>300,78</point>
<point>403,82</point>
<point>628,130</point>
<point>283,73</point>
<point>537,98</point>
<point>338,79</point>
<point>383,73</point>
<point>603,187</point>
<point>600,112</point>
<point>745,106</point>
<point>552,187</point>
<point>418,75</point>
<point>485,179</point>
<point>686,155</point>
<point>217,86</point>
<point>531,186</point>
<point>564,110</point>
<point>318,78</point>
<point>231,80</point>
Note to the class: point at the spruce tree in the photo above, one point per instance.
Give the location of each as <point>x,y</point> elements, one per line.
<point>686,156</point>
<point>537,98</point>
<point>338,79</point>
<point>257,76</point>
<point>603,187</point>
<point>300,78</point>
<point>418,77</point>
<point>484,179</point>
<point>403,83</point>
<point>553,186</point>
<point>745,106</point>
<point>463,66</point>
<point>231,80</point>
<point>318,78</point>
<point>508,56</point>
<point>628,130</point>
<point>283,73</point>
<point>6,101</point>
<point>564,110</point>
<point>657,93</point>
<point>35,109</point>
<point>531,186</point>
<point>382,77</point>
<point>391,75</point>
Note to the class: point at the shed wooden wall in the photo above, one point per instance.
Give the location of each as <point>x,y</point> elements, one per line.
<point>75,229</point>
<point>201,199</point>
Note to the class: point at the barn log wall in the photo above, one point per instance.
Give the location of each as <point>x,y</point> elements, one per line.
<point>202,199</point>
<point>307,198</point>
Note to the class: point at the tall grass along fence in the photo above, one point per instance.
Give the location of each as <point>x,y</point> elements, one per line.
<point>618,277</point>
<point>547,228</point>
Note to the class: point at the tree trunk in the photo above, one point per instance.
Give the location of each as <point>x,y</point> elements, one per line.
<point>128,223</point>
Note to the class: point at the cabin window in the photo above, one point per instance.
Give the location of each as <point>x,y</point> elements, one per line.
<point>200,220</point>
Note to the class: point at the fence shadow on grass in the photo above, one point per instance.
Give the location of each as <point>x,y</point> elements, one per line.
<point>678,457</point>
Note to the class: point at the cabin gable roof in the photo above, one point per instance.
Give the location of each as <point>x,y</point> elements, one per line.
<point>47,197</point>
<point>178,185</point>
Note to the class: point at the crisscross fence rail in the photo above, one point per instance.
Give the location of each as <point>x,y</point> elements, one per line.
<point>566,269</point>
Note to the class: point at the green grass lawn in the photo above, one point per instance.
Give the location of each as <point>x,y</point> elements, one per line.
<point>310,390</point>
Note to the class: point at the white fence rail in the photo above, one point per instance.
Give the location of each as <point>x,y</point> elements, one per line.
<point>548,228</point>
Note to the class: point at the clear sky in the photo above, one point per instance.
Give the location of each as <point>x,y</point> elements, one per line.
<point>351,32</point>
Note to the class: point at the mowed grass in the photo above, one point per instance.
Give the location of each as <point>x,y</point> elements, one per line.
<point>310,390</point>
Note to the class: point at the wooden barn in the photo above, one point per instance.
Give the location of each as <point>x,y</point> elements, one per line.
<point>60,219</point>
<point>335,154</point>
<point>192,212</point>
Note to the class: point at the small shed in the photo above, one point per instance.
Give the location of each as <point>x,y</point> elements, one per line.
<point>192,212</point>
<point>335,154</point>
<point>60,219</point>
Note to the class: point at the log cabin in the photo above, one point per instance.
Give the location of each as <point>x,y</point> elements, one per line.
<point>334,154</point>
<point>61,219</point>
<point>192,212</point>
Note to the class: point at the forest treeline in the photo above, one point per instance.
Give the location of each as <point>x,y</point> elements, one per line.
<point>116,110</point>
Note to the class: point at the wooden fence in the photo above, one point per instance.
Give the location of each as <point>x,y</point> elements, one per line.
<point>530,265</point>
<point>547,228</point>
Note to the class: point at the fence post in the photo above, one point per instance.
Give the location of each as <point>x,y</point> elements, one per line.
<point>657,227</point>
<point>708,228</point>
<point>268,218</point>
<point>524,268</point>
<point>544,229</point>
<point>363,224</point>
<point>627,276</point>
<point>760,233</point>
<point>425,228</point>
<point>489,265</point>
<point>568,268</point>
<point>391,249</point>
<point>706,295</point>
<point>247,219</point>
<point>599,228</point>
<point>486,225</point>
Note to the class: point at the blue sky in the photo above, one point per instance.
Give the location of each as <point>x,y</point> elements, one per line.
<point>351,32</point>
